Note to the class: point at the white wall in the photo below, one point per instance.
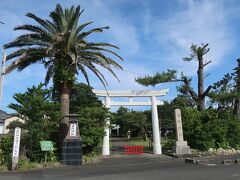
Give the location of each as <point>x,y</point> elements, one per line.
<point>1,128</point>
<point>9,120</point>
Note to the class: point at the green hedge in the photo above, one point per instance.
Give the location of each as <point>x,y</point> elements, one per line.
<point>207,129</point>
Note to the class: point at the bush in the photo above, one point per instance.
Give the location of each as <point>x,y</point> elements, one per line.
<point>233,133</point>
<point>25,164</point>
<point>207,129</point>
<point>6,144</point>
<point>91,125</point>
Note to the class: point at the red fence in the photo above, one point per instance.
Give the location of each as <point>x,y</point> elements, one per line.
<point>133,150</point>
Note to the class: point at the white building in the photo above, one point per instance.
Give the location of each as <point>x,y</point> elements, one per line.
<point>5,120</point>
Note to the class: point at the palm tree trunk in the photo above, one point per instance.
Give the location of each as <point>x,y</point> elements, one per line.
<point>65,101</point>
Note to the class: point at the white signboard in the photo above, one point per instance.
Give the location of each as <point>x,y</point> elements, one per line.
<point>16,144</point>
<point>73,129</point>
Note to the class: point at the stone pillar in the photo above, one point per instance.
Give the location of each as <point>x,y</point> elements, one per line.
<point>181,146</point>
<point>157,149</point>
<point>105,147</point>
<point>72,144</point>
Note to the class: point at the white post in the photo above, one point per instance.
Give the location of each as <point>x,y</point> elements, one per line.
<point>118,130</point>
<point>157,149</point>
<point>105,147</point>
<point>16,146</point>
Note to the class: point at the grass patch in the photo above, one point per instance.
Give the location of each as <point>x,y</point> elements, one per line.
<point>165,143</point>
<point>140,142</point>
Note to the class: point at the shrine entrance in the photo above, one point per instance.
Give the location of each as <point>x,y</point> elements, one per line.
<point>153,102</point>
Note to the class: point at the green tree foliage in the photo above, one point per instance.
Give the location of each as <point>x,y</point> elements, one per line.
<point>82,96</point>
<point>92,118</point>
<point>226,93</point>
<point>197,53</point>
<point>121,118</point>
<point>138,122</point>
<point>17,123</point>
<point>61,44</point>
<point>41,118</point>
<point>91,125</point>
<point>166,111</point>
<point>208,129</point>
<point>168,76</point>
<point>6,144</point>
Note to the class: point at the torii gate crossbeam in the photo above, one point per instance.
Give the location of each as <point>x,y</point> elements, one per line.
<point>144,93</point>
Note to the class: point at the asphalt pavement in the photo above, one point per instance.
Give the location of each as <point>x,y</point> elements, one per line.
<point>135,168</point>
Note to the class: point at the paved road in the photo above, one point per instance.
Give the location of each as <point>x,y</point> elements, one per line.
<point>130,169</point>
<point>118,145</point>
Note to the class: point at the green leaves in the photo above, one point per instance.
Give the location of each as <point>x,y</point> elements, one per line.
<point>64,45</point>
<point>91,124</point>
<point>92,117</point>
<point>41,119</point>
<point>209,129</point>
<point>139,123</point>
<point>197,52</point>
<point>169,76</point>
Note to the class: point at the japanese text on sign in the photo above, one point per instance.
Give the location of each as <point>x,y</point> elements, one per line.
<point>16,144</point>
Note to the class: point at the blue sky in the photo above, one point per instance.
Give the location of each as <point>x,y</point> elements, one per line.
<point>153,35</point>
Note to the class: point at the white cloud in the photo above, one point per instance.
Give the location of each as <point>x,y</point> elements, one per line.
<point>199,22</point>
<point>126,77</point>
<point>122,32</point>
<point>155,43</point>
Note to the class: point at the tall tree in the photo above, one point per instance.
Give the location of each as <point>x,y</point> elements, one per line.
<point>226,92</point>
<point>61,45</point>
<point>41,118</point>
<point>237,87</point>
<point>197,53</point>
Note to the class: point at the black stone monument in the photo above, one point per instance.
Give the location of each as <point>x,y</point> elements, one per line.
<point>72,145</point>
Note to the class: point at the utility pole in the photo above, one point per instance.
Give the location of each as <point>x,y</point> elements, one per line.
<point>2,74</point>
<point>2,70</point>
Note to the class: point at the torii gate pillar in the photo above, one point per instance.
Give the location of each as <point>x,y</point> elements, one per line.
<point>157,149</point>
<point>153,103</point>
<point>106,147</point>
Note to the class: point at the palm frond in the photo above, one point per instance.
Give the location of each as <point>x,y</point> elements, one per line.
<point>85,34</point>
<point>48,26</point>
<point>59,42</point>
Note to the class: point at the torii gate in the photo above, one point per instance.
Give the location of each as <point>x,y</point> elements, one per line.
<point>152,94</point>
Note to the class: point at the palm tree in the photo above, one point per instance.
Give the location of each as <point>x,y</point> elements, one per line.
<point>61,45</point>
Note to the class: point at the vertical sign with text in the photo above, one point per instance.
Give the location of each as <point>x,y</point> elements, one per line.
<point>73,129</point>
<point>16,146</point>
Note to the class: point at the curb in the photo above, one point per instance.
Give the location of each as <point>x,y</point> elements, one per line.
<point>206,162</point>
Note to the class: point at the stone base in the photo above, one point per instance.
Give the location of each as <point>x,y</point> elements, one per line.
<point>72,152</point>
<point>181,148</point>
